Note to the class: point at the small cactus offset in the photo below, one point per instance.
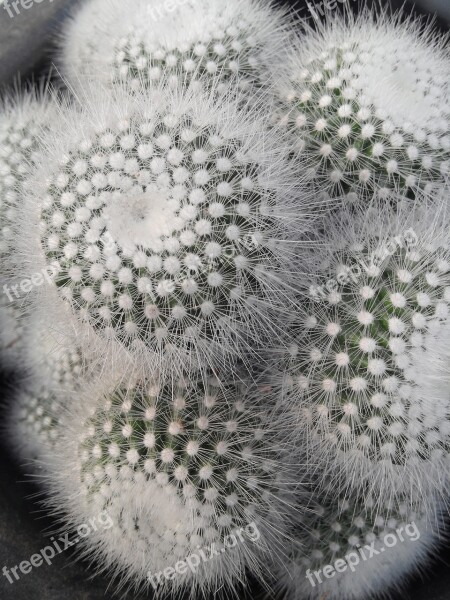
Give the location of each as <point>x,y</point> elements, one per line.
<point>209,41</point>
<point>33,427</point>
<point>53,368</point>
<point>348,549</point>
<point>168,220</point>
<point>366,100</point>
<point>179,465</point>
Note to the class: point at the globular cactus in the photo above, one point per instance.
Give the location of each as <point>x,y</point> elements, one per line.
<point>366,100</point>
<point>367,375</point>
<point>345,548</point>
<point>22,118</point>
<point>207,40</point>
<point>170,220</point>
<point>179,466</point>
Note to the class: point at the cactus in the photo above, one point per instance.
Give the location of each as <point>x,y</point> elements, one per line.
<point>179,466</point>
<point>366,100</point>
<point>345,549</point>
<point>166,216</point>
<point>53,369</point>
<point>22,119</point>
<point>228,296</point>
<point>210,41</point>
<point>368,373</point>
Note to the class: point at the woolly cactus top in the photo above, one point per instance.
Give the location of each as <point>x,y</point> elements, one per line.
<point>367,104</point>
<point>165,215</point>
<point>178,466</point>
<point>211,38</point>
<point>364,368</point>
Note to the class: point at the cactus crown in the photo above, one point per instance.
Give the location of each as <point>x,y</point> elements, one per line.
<point>180,466</point>
<point>209,41</point>
<point>348,537</point>
<point>368,108</point>
<point>360,365</point>
<point>187,435</point>
<point>223,54</point>
<point>163,222</point>
<point>339,526</point>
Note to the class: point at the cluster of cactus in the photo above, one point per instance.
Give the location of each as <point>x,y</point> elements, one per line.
<point>226,287</point>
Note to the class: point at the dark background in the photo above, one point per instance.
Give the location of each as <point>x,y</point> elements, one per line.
<point>26,43</point>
